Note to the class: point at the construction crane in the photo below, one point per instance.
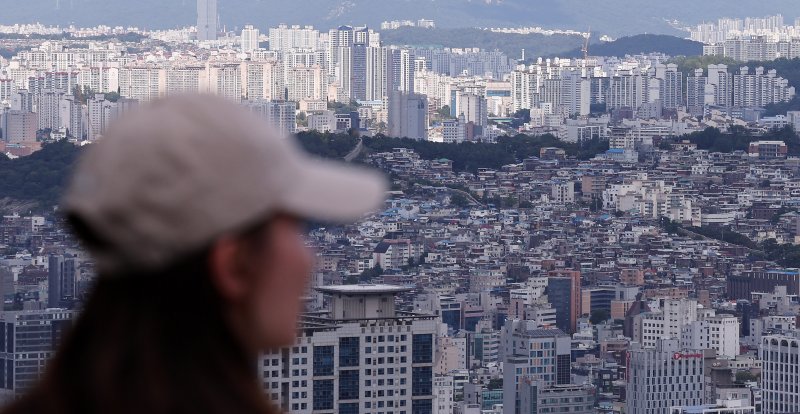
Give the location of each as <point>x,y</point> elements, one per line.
<point>585,48</point>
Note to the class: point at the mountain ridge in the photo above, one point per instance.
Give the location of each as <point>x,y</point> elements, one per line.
<point>613,17</point>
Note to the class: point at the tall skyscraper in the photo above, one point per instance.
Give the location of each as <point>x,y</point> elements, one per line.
<point>206,20</point>
<point>60,280</point>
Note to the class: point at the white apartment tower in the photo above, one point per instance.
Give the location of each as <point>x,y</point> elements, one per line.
<point>286,38</point>
<point>780,376</point>
<point>250,38</point>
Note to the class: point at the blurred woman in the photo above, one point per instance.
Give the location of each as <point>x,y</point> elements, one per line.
<point>192,209</point>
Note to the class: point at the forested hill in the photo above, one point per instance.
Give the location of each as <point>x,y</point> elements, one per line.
<point>645,43</point>
<point>509,43</point>
<point>40,179</point>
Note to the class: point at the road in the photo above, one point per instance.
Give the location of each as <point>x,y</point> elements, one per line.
<point>355,152</point>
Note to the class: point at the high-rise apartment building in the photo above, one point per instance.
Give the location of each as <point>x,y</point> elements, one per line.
<point>670,86</point>
<point>361,356</point>
<point>101,112</point>
<point>225,80</point>
<point>281,115</point>
<point>250,38</point>
<point>286,38</point>
<point>407,115</point>
<point>473,108</point>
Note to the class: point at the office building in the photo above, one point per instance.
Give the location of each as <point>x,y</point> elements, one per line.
<point>564,294</point>
<point>721,407</point>
<point>538,399</point>
<point>767,150</point>
<point>717,332</point>
<point>361,356</point>
<point>61,279</point>
<point>19,126</point>
<point>28,340</point>
<point>539,356</point>
<point>741,285</point>
<point>324,121</point>
<point>664,377</point>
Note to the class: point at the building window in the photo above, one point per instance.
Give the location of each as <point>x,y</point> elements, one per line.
<point>348,385</point>
<point>323,360</point>
<point>348,408</point>
<point>421,381</point>
<point>323,395</point>
<point>422,407</point>
<point>422,349</point>
<point>349,352</point>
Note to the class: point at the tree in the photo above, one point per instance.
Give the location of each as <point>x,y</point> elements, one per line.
<point>598,316</point>
<point>524,115</point>
<point>369,274</point>
<point>745,376</point>
<point>495,384</point>
<point>458,200</point>
<point>444,111</point>
<point>301,118</point>
<point>112,96</point>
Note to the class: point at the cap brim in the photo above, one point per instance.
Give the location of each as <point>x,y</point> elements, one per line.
<point>328,191</point>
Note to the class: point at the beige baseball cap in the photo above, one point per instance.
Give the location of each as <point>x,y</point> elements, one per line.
<point>170,177</point>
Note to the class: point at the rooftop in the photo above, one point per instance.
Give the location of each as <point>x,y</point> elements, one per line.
<point>365,289</point>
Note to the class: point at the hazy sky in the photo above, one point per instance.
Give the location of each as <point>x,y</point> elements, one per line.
<point>608,16</point>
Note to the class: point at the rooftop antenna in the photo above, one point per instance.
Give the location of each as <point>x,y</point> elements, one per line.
<point>585,48</point>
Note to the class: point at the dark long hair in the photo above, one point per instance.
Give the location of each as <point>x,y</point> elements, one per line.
<point>151,343</point>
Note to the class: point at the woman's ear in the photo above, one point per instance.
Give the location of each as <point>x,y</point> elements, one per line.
<point>228,272</point>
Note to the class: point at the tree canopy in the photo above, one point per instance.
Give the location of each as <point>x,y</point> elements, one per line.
<point>40,177</point>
